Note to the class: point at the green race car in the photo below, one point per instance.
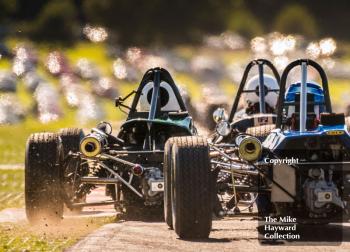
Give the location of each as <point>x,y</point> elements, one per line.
<point>63,168</point>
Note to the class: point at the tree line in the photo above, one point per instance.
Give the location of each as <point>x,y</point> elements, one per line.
<point>145,22</point>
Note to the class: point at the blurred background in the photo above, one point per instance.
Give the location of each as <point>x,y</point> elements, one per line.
<point>63,62</point>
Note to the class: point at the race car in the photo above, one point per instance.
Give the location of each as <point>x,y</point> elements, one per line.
<point>62,168</point>
<point>308,132</point>
<point>259,96</point>
<point>261,89</point>
<point>302,168</point>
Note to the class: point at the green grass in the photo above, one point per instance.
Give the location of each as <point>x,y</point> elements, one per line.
<point>5,64</point>
<point>97,53</point>
<point>229,88</point>
<point>23,237</point>
<point>11,189</point>
<point>13,137</point>
<point>340,93</point>
<point>193,87</point>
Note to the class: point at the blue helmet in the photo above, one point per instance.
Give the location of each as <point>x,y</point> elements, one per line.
<point>315,98</point>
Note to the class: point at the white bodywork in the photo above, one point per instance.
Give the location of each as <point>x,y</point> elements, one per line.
<point>253,84</point>
<point>171,105</point>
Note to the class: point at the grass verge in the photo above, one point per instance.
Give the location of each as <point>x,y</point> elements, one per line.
<point>24,237</point>
<point>16,237</point>
<point>11,189</point>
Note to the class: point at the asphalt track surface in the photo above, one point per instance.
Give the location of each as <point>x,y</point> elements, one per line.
<point>237,233</point>
<point>229,234</point>
<point>232,234</point>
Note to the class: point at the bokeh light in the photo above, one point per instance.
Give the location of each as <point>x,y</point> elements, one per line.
<point>327,46</point>
<point>258,45</point>
<point>95,34</point>
<point>313,50</point>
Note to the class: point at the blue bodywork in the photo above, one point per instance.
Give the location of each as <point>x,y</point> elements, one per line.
<point>312,88</point>
<point>279,139</point>
<point>314,140</point>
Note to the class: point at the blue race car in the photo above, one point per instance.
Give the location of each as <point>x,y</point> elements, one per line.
<point>307,158</point>
<point>301,170</point>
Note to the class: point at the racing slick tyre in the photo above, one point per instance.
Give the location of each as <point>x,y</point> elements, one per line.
<point>70,138</point>
<point>167,180</point>
<point>43,177</point>
<point>261,131</point>
<point>191,188</point>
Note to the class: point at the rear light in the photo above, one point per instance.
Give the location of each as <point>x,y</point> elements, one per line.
<point>137,170</point>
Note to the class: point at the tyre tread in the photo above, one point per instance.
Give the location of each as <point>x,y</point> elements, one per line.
<point>194,188</point>
<point>43,177</point>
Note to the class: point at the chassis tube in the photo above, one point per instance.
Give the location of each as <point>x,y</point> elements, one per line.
<point>235,168</point>
<point>118,160</point>
<point>121,180</point>
<point>99,203</point>
<point>303,97</point>
<point>261,88</point>
<point>155,94</point>
<point>97,180</point>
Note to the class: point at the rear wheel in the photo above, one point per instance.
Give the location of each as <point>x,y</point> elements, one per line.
<point>72,171</point>
<point>43,178</point>
<point>167,180</point>
<point>192,188</point>
<point>71,138</point>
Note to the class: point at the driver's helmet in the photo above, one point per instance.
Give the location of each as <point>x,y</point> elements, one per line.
<point>168,100</point>
<point>271,97</point>
<point>315,98</point>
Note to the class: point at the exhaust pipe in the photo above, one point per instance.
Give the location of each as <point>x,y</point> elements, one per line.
<point>249,148</point>
<point>93,144</point>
